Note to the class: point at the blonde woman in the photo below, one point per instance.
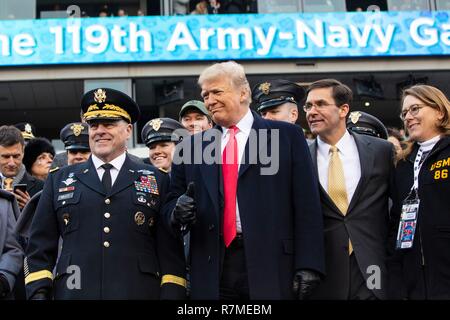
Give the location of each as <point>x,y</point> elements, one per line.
<point>420,265</point>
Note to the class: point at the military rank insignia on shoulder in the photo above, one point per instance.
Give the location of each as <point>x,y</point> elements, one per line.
<point>53,169</point>
<point>163,170</point>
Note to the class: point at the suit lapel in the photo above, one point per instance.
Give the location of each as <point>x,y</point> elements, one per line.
<point>324,195</point>
<point>366,159</point>
<point>87,174</point>
<point>211,172</point>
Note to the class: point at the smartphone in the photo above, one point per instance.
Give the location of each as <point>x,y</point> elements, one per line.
<point>21,186</point>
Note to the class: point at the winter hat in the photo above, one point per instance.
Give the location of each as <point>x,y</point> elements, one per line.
<point>34,149</point>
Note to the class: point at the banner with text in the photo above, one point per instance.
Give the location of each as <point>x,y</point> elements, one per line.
<point>224,37</point>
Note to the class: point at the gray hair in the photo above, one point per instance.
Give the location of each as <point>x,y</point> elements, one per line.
<point>230,70</point>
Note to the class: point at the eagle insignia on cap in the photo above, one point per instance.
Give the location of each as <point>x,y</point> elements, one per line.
<point>265,88</point>
<point>28,128</point>
<point>155,124</point>
<point>354,116</point>
<point>100,95</point>
<point>76,129</point>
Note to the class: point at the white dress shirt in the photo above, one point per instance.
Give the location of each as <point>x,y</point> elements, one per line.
<point>348,152</point>
<point>117,164</point>
<point>244,126</point>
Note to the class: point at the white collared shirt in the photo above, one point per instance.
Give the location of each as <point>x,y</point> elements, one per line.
<point>348,153</point>
<point>117,164</point>
<point>244,126</point>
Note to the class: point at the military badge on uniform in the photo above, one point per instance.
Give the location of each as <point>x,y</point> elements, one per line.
<point>265,87</point>
<point>66,218</point>
<point>354,116</point>
<point>147,184</point>
<point>139,218</point>
<point>100,96</point>
<point>69,181</point>
<point>141,197</point>
<point>71,188</point>
<point>151,222</point>
<point>145,172</point>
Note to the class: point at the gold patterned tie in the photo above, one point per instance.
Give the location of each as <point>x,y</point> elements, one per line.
<point>336,185</point>
<point>7,184</point>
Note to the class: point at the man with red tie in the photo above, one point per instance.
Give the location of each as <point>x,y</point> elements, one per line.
<point>250,200</point>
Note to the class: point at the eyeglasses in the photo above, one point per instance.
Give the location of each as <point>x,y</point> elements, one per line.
<point>413,110</point>
<point>319,106</point>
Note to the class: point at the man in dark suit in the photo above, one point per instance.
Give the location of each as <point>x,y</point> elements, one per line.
<point>107,211</point>
<point>12,170</point>
<point>354,172</point>
<point>256,226</point>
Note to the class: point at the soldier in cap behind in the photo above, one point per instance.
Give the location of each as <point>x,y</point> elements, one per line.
<point>107,211</point>
<point>76,142</point>
<point>161,135</point>
<point>364,123</point>
<point>278,99</point>
<point>194,117</point>
<point>27,130</point>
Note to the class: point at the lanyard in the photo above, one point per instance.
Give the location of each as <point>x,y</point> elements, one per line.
<point>417,165</point>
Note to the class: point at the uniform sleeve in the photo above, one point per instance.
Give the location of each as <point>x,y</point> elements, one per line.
<point>11,258</point>
<point>42,247</point>
<point>177,187</point>
<point>309,234</point>
<point>171,256</point>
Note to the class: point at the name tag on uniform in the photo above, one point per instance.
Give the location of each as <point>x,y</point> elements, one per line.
<point>408,223</point>
<point>65,196</point>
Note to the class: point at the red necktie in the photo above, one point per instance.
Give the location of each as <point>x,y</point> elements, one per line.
<point>230,178</point>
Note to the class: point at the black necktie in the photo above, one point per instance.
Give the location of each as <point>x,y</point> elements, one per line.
<point>106,179</point>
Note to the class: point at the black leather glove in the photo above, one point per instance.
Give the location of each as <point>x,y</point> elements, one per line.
<point>305,281</point>
<point>41,294</point>
<point>4,286</point>
<point>184,213</point>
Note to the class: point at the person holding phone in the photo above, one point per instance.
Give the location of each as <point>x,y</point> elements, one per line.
<point>12,169</point>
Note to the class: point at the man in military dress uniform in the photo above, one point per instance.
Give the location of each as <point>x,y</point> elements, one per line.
<point>107,210</point>
<point>76,142</point>
<point>278,99</point>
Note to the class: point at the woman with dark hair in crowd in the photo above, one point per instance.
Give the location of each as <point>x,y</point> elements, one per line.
<point>420,262</point>
<point>38,157</point>
<point>396,138</point>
